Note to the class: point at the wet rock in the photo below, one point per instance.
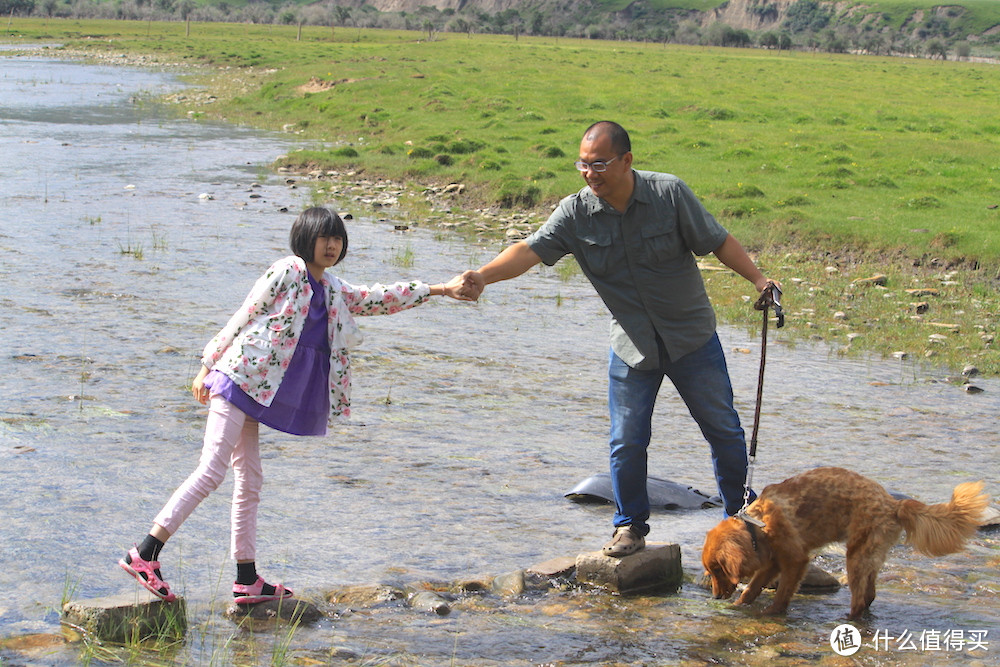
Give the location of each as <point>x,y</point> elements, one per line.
<point>970,371</point>
<point>510,584</point>
<point>429,601</point>
<point>972,389</point>
<point>32,644</point>
<point>990,518</point>
<point>123,618</point>
<point>556,567</point>
<point>656,566</point>
<point>365,595</point>
<point>817,580</point>
<point>473,585</point>
<point>291,610</point>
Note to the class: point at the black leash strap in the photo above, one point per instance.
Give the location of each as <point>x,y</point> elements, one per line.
<point>770,297</point>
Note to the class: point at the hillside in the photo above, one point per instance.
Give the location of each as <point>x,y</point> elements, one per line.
<point>880,27</point>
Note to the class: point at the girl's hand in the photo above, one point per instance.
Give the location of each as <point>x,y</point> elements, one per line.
<point>198,388</point>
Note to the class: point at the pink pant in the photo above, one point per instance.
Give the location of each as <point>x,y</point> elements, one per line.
<point>231,439</point>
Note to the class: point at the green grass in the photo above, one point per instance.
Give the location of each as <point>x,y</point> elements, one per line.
<point>870,154</point>
<point>870,164</point>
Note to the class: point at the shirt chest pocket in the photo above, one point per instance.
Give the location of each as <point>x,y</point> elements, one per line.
<point>662,240</point>
<point>597,251</point>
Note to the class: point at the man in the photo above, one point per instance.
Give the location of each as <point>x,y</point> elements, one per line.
<point>635,235</point>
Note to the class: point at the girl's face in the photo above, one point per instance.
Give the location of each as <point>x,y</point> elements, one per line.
<point>325,254</point>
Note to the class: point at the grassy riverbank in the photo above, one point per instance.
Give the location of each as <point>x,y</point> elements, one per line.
<point>831,169</point>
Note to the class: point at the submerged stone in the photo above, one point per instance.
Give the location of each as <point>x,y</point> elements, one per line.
<point>510,584</point>
<point>429,601</point>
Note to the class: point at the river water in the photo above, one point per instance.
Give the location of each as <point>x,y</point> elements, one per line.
<point>471,422</point>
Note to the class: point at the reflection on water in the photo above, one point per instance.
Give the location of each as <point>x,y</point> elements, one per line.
<point>471,420</point>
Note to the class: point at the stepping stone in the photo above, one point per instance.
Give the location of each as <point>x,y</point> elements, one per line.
<point>128,617</point>
<point>656,566</point>
<point>292,610</point>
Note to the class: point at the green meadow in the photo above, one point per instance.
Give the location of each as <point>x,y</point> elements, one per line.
<point>831,168</point>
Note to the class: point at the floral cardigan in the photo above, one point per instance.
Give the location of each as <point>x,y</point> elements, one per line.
<point>257,344</point>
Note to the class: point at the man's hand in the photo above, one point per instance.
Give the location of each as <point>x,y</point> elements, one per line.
<point>473,284</point>
<point>460,288</point>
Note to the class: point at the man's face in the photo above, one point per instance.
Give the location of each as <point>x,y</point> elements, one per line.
<point>615,182</point>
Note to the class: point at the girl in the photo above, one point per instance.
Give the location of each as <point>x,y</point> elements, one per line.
<point>282,360</point>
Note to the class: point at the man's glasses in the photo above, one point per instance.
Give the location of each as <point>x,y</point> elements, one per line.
<point>598,165</point>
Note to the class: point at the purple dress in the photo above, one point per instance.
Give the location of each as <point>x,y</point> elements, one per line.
<point>301,405</point>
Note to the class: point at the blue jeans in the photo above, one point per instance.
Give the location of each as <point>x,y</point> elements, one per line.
<point>702,381</point>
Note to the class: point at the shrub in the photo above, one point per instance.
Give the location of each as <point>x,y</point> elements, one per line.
<point>420,152</point>
<point>514,192</point>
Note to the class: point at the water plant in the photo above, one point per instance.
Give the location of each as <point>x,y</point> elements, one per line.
<point>403,257</point>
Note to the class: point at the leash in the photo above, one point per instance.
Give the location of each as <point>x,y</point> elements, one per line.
<point>770,297</point>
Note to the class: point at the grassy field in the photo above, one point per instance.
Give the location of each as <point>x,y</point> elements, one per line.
<point>831,167</point>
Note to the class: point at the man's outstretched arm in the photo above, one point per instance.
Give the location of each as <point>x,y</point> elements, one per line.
<point>512,262</point>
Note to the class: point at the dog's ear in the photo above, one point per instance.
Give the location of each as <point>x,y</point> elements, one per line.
<point>736,551</point>
<point>724,557</point>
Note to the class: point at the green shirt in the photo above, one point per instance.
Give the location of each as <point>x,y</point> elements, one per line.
<point>641,262</point>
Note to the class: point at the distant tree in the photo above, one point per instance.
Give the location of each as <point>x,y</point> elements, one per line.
<point>936,48</point>
<point>769,40</point>
<point>784,41</point>
<point>687,33</point>
<point>963,50</point>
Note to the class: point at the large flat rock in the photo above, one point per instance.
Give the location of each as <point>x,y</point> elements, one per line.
<point>656,566</point>
<point>128,617</point>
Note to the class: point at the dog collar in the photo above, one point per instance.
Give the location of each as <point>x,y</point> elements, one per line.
<point>753,533</point>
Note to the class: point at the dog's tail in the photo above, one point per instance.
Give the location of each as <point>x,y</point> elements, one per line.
<point>936,530</point>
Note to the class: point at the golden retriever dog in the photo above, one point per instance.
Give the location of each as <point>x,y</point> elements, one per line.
<point>828,505</point>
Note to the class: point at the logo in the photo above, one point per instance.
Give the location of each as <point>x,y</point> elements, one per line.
<point>845,640</point>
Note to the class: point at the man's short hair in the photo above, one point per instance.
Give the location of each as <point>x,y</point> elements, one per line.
<point>620,142</point>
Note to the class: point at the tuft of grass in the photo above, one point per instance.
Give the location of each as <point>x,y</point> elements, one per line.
<point>403,257</point>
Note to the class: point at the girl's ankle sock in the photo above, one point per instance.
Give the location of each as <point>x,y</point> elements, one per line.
<point>246,574</point>
<point>149,549</point>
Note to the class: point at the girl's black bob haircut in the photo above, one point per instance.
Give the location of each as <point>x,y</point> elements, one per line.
<point>310,225</point>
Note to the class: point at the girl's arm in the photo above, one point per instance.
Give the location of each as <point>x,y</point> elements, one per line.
<point>198,387</point>
<point>388,299</point>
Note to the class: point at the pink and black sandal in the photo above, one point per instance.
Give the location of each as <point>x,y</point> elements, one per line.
<point>254,593</point>
<point>145,572</point>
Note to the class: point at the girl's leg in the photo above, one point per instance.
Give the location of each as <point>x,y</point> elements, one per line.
<point>248,478</point>
<point>222,435</point>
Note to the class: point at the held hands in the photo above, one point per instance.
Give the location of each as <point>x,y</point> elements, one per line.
<point>464,287</point>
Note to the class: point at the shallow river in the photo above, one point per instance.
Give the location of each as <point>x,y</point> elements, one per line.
<point>471,422</point>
